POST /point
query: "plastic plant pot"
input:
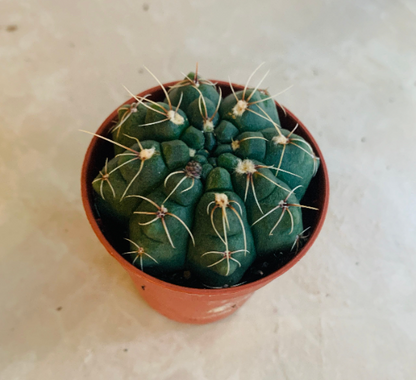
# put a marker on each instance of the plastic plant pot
(192, 305)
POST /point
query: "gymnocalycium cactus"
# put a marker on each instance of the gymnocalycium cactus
(204, 184)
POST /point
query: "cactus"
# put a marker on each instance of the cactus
(205, 184)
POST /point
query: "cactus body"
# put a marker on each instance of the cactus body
(207, 186)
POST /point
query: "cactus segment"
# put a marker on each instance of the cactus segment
(142, 170)
(222, 149)
(201, 159)
(206, 169)
(245, 115)
(175, 153)
(190, 89)
(219, 179)
(238, 106)
(224, 246)
(138, 253)
(250, 145)
(254, 181)
(169, 123)
(270, 106)
(275, 229)
(184, 186)
(130, 116)
(282, 219)
(293, 158)
(109, 186)
(194, 138)
(300, 239)
(104, 178)
(203, 152)
(226, 132)
(210, 141)
(162, 228)
(228, 161)
(123, 171)
(203, 114)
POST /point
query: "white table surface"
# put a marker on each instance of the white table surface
(345, 311)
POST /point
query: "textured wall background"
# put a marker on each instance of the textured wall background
(346, 311)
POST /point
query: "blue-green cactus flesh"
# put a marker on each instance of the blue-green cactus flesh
(204, 184)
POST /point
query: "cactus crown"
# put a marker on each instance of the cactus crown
(206, 184)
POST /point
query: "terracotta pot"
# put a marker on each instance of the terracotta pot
(191, 305)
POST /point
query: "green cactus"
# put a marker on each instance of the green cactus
(205, 184)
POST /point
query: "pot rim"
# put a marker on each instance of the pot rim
(86, 191)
